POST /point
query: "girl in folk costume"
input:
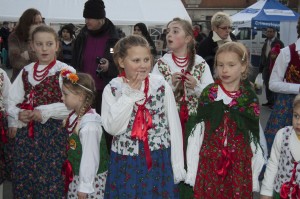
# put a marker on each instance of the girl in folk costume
(139, 110)
(85, 133)
(285, 81)
(187, 73)
(36, 112)
(282, 176)
(227, 132)
(4, 141)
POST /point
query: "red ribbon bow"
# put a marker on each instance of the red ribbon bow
(30, 124)
(290, 187)
(142, 123)
(67, 173)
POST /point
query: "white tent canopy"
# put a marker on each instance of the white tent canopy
(120, 12)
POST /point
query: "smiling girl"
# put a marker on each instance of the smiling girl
(139, 110)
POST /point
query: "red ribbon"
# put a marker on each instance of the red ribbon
(289, 187)
(67, 173)
(3, 136)
(30, 124)
(142, 123)
(226, 160)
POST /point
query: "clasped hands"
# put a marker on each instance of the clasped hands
(189, 80)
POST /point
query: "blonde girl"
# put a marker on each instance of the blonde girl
(139, 110)
(227, 132)
(86, 140)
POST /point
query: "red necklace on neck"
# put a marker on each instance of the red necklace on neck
(72, 126)
(39, 75)
(180, 61)
(232, 94)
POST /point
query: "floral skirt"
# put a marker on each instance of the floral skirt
(281, 116)
(99, 186)
(128, 176)
(37, 162)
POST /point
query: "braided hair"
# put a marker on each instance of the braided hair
(191, 52)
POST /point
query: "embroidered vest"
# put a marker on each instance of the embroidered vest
(46, 92)
(158, 135)
(286, 163)
(292, 74)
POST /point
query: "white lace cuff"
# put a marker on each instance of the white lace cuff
(179, 173)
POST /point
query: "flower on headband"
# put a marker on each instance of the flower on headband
(69, 75)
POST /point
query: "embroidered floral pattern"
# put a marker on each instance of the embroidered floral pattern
(196, 72)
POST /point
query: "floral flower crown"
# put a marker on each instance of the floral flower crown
(73, 78)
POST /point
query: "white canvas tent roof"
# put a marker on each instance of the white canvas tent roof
(121, 12)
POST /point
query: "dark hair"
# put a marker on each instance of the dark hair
(44, 28)
(25, 22)
(121, 47)
(191, 51)
(86, 81)
(69, 28)
(146, 34)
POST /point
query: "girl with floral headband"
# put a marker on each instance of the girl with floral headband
(36, 113)
(226, 132)
(139, 110)
(84, 171)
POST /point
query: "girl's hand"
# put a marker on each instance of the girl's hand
(190, 81)
(37, 116)
(25, 116)
(265, 197)
(81, 195)
(176, 77)
(136, 82)
(12, 131)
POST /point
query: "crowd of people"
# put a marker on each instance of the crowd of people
(94, 115)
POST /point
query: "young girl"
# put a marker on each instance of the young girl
(227, 132)
(4, 89)
(187, 73)
(282, 176)
(139, 110)
(36, 111)
(85, 132)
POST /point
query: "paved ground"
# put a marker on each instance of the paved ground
(265, 112)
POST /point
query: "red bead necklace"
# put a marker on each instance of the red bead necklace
(39, 75)
(180, 61)
(74, 123)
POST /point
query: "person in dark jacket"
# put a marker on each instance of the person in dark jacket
(220, 34)
(270, 42)
(93, 48)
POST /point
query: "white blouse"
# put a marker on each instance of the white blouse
(4, 90)
(267, 187)
(206, 77)
(277, 82)
(17, 95)
(195, 142)
(90, 132)
(117, 112)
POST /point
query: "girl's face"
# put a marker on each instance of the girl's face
(137, 63)
(72, 100)
(45, 46)
(65, 35)
(176, 37)
(229, 69)
(296, 119)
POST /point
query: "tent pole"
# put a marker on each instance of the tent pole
(251, 47)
